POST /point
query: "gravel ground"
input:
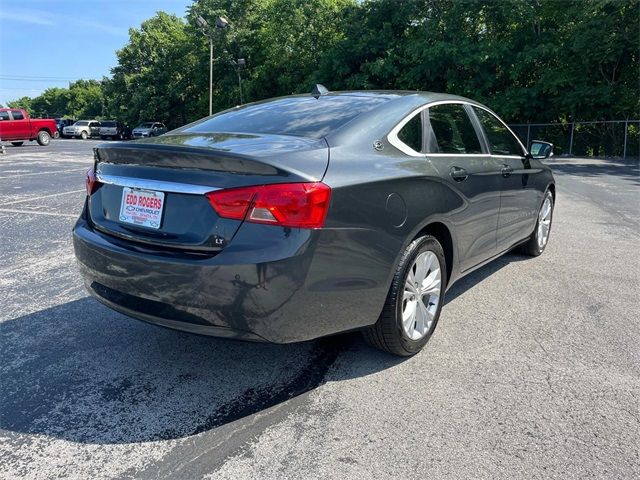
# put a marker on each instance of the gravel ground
(533, 372)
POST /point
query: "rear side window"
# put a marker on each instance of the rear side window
(301, 116)
(17, 115)
(4, 115)
(452, 130)
(501, 140)
(411, 133)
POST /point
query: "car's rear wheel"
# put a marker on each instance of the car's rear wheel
(17, 144)
(43, 138)
(414, 302)
(84, 135)
(540, 237)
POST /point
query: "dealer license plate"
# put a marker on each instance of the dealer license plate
(141, 207)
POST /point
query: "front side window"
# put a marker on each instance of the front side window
(411, 133)
(17, 115)
(452, 130)
(501, 140)
(4, 115)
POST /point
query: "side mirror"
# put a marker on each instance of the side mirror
(541, 150)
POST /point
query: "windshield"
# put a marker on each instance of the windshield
(82, 123)
(300, 116)
(145, 125)
(108, 124)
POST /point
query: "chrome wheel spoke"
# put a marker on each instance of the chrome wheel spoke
(420, 269)
(422, 318)
(431, 284)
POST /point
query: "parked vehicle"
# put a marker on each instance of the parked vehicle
(304, 216)
(16, 127)
(83, 129)
(113, 129)
(149, 129)
(62, 123)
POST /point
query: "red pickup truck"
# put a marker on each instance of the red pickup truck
(16, 127)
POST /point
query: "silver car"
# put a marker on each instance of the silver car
(149, 129)
(83, 129)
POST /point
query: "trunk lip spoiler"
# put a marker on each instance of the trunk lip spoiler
(157, 185)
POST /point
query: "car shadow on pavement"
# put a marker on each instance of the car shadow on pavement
(474, 278)
(83, 373)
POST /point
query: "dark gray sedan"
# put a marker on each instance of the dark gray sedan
(304, 216)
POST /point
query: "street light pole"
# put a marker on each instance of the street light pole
(210, 75)
(220, 23)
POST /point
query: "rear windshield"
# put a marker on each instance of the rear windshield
(82, 123)
(145, 125)
(300, 116)
(108, 124)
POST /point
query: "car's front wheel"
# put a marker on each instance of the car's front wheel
(413, 304)
(540, 237)
(43, 138)
(84, 135)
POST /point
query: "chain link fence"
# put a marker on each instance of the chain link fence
(614, 138)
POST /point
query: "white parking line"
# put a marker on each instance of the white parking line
(39, 197)
(52, 214)
(17, 175)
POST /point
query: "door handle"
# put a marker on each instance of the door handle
(458, 174)
(506, 170)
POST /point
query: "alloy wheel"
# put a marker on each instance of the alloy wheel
(421, 295)
(544, 222)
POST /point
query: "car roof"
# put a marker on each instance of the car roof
(395, 94)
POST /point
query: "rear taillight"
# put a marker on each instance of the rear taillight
(91, 183)
(302, 205)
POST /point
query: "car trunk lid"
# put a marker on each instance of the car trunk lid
(153, 191)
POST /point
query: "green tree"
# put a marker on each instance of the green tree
(154, 76)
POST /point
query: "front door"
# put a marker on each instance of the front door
(519, 200)
(20, 128)
(456, 150)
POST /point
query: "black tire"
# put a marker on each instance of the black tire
(17, 144)
(43, 138)
(84, 135)
(532, 247)
(387, 333)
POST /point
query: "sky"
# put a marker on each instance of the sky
(49, 43)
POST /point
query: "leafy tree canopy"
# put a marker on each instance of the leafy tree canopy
(530, 60)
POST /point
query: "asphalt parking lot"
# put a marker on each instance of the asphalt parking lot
(533, 372)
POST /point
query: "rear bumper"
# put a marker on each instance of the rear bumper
(298, 285)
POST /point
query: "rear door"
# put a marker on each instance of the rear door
(456, 149)
(520, 199)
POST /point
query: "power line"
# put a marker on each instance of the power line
(36, 77)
